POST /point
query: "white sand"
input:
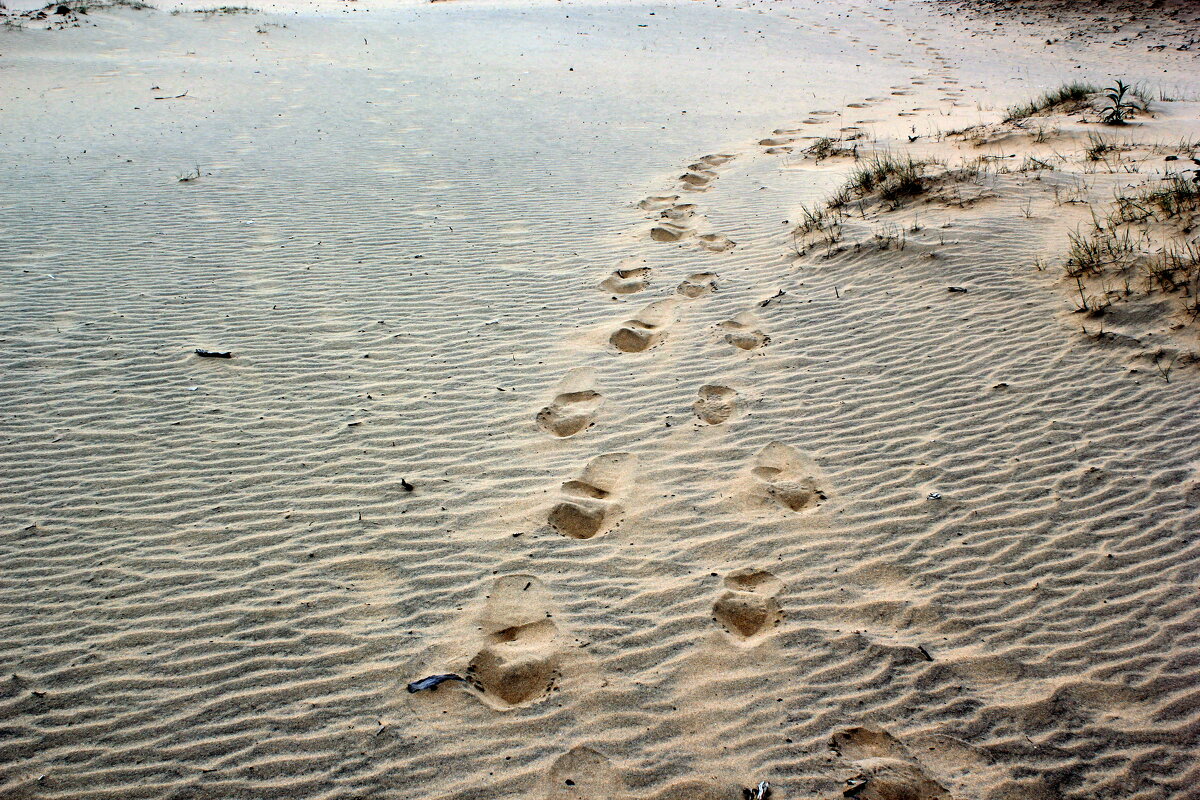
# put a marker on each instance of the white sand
(680, 538)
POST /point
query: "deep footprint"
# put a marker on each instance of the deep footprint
(627, 279)
(519, 662)
(717, 159)
(715, 403)
(669, 232)
(582, 773)
(698, 284)
(788, 479)
(696, 180)
(657, 202)
(742, 332)
(574, 407)
(716, 242)
(674, 223)
(747, 607)
(591, 504)
(646, 329)
(886, 769)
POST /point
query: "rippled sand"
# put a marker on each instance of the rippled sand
(534, 382)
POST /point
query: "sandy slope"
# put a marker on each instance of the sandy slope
(696, 502)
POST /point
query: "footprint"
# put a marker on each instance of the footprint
(519, 662)
(658, 202)
(673, 223)
(645, 330)
(857, 744)
(691, 789)
(582, 774)
(678, 212)
(717, 159)
(698, 285)
(590, 504)
(666, 231)
(748, 606)
(696, 180)
(789, 479)
(742, 333)
(574, 406)
(716, 242)
(886, 769)
(627, 280)
(715, 403)
(776, 142)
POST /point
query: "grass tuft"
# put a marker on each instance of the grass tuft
(1066, 98)
(892, 177)
(1092, 254)
(1177, 195)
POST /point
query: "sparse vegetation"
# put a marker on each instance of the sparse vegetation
(827, 147)
(1146, 240)
(65, 14)
(813, 218)
(889, 179)
(1098, 147)
(889, 237)
(1177, 197)
(1066, 98)
(892, 177)
(83, 7)
(1176, 269)
(822, 148)
(209, 12)
(1096, 252)
(1119, 108)
(1032, 164)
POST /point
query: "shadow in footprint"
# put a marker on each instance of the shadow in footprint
(658, 202)
(717, 159)
(519, 662)
(666, 231)
(696, 180)
(582, 774)
(673, 223)
(716, 242)
(678, 213)
(886, 769)
(715, 404)
(748, 608)
(645, 329)
(627, 279)
(789, 479)
(591, 503)
(743, 333)
(691, 789)
(574, 407)
(698, 284)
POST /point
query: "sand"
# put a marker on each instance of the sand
(539, 377)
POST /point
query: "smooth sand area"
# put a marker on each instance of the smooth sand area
(726, 393)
